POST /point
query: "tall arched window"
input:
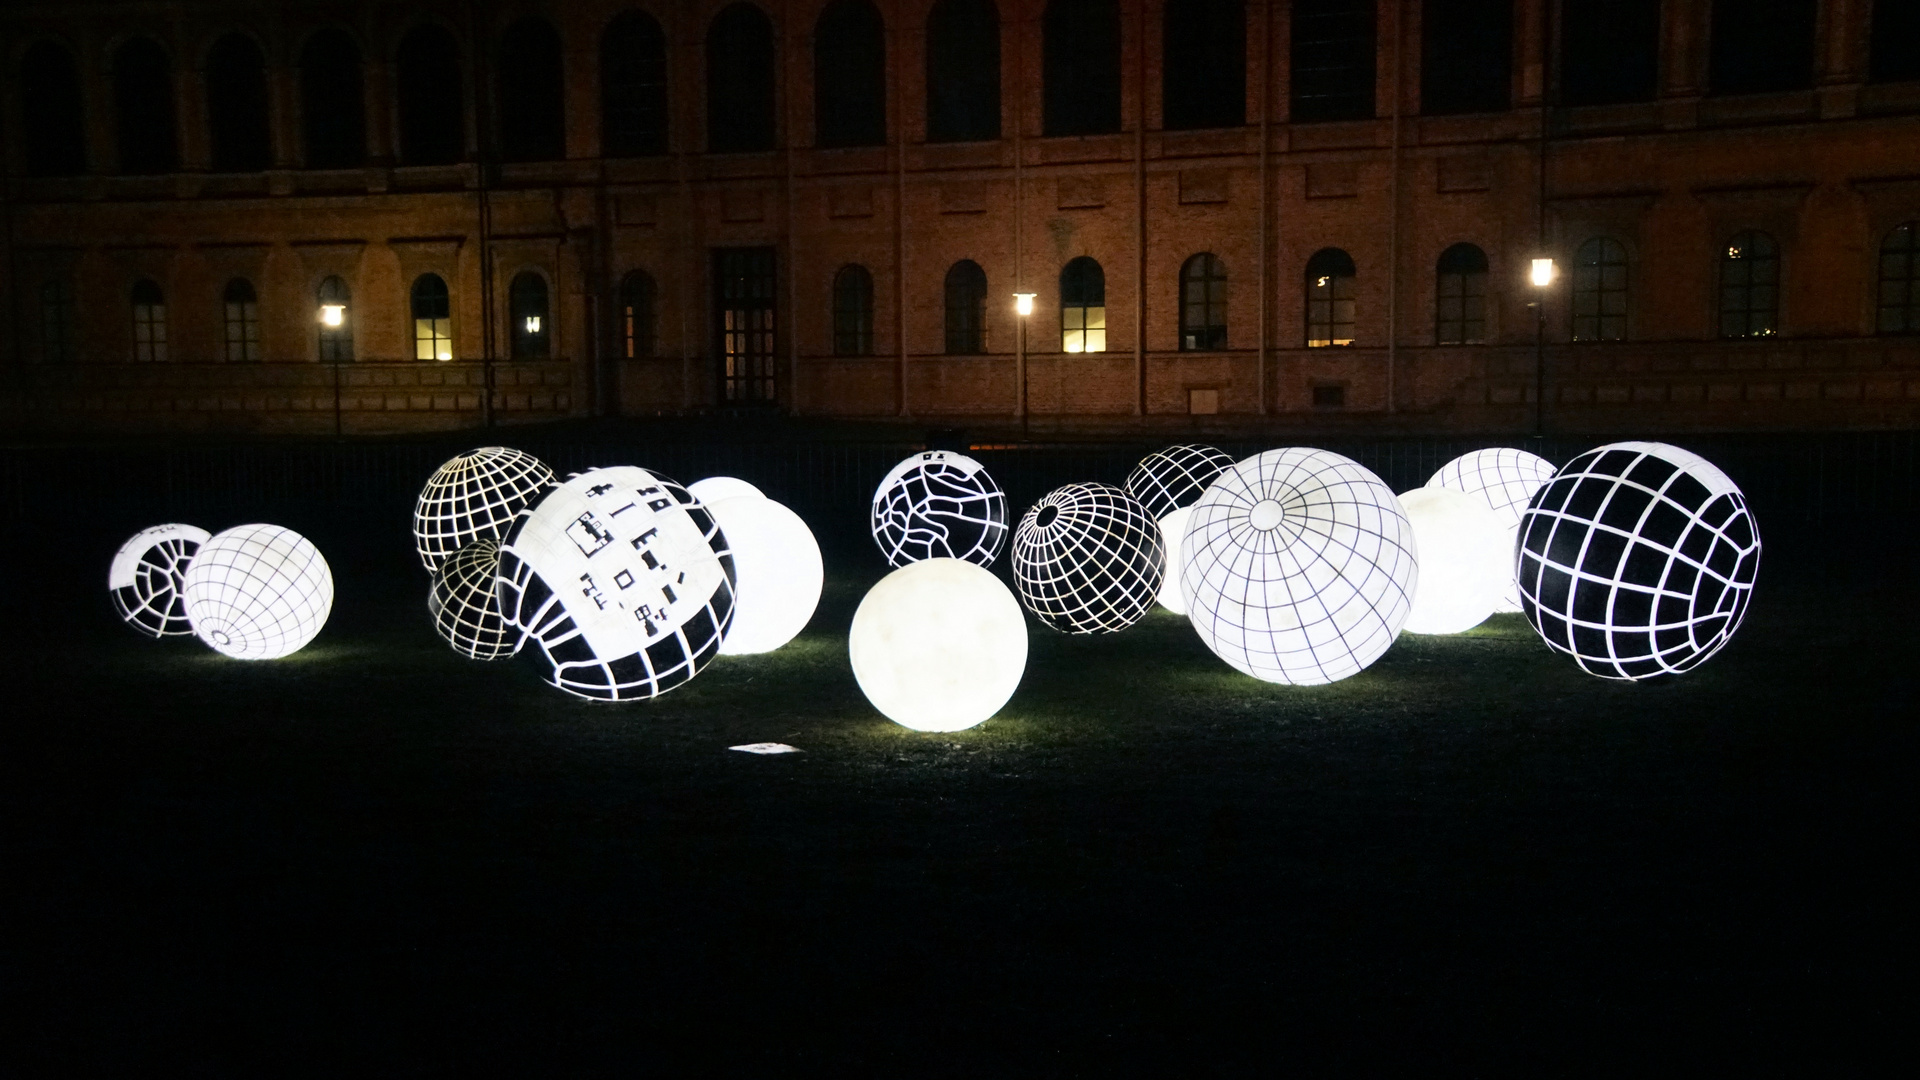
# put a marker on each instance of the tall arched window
(1080, 58)
(966, 304)
(237, 119)
(432, 318)
(1330, 298)
(740, 78)
(1609, 52)
(1466, 56)
(143, 108)
(52, 120)
(1900, 280)
(1083, 307)
(1203, 303)
(1203, 82)
(633, 87)
(1761, 46)
(149, 323)
(1600, 291)
(1749, 286)
(849, 75)
(637, 293)
(1896, 30)
(336, 320)
(527, 307)
(853, 311)
(533, 122)
(57, 344)
(333, 112)
(1333, 59)
(243, 321)
(963, 71)
(433, 120)
(1460, 296)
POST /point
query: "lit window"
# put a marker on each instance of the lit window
(527, 307)
(243, 322)
(1750, 287)
(1600, 291)
(1900, 280)
(1083, 307)
(149, 323)
(336, 329)
(432, 319)
(853, 312)
(1330, 298)
(1203, 303)
(1460, 296)
(636, 315)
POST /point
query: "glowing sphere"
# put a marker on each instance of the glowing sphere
(146, 576)
(939, 505)
(1167, 480)
(1465, 561)
(475, 496)
(778, 573)
(1638, 559)
(462, 603)
(1298, 567)
(1505, 479)
(1173, 531)
(1087, 559)
(257, 592)
(720, 488)
(938, 645)
(621, 579)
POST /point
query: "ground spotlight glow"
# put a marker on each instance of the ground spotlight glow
(938, 645)
(778, 573)
(1465, 561)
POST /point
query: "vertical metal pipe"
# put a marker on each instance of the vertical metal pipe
(1393, 207)
(1266, 185)
(1019, 214)
(1140, 215)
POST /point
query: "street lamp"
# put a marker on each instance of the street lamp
(1541, 276)
(333, 316)
(1023, 307)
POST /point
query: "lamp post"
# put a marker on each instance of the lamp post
(1022, 307)
(1542, 277)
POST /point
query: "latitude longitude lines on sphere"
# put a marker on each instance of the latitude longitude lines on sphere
(146, 578)
(1502, 476)
(1169, 479)
(475, 495)
(463, 607)
(258, 592)
(1638, 560)
(939, 504)
(1087, 559)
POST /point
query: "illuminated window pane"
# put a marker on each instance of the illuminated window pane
(432, 318)
(1749, 287)
(1331, 310)
(1083, 307)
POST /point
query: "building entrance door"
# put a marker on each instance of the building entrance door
(743, 305)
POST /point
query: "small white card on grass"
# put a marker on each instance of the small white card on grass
(767, 748)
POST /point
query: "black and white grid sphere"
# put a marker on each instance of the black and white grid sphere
(257, 592)
(463, 607)
(473, 496)
(1169, 479)
(1087, 559)
(1638, 559)
(939, 505)
(146, 577)
(621, 580)
(1298, 566)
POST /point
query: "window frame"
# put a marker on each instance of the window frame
(59, 334)
(148, 306)
(1600, 320)
(1909, 256)
(1209, 333)
(1083, 321)
(1457, 268)
(530, 296)
(334, 343)
(1740, 314)
(635, 307)
(240, 307)
(1331, 285)
(964, 295)
(438, 329)
(853, 311)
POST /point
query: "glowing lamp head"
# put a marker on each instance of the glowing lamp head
(1465, 558)
(779, 573)
(533, 324)
(1542, 273)
(938, 645)
(333, 315)
(1023, 303)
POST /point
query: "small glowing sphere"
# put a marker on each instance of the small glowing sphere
(1173, 530)
(1505, 479)
(1465, 563)
(1167, 480)
(778, 573)
(718, 488)
(475, 496)
(146, 576)
(939, 505)
(462, 604)
(258, 592)
(1087, 559)
(938, 645)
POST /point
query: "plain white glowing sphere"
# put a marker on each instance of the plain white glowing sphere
(1298, 567)
(462, 604)
(778, 573)
(1087, 559)
(939, 505)
(720, 488)
(258, 592)
(146, 576)
(475, 496)
(1173, 531)
(938, 645)
(1465, 566)
(1505, 479)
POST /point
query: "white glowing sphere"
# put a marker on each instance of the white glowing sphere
(146, 576)
(938, 645)
(716, 489)
(1505, 479)
(258, 592)
(1173, 529)
(1465, 563)
(778, 573)
(475, 497)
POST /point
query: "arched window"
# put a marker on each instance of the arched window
(1466, 56)
(243, 321)
(143, 108)
(533, 123)
(1460, 296)
(149, 323)
(432, 318)
(333, 112)
(1330, 302)
(1749, 286)
(1610, 51)
(1203, 304)
(1896, 31)
(1761, 46)
(1900, 280)
(849, 75)
(1080, 60)
(336, 321)
(1083, 307)
(637, 294)
(527, 307)
(1203, 82)
(963, 71)
(237, 105)
(57, 343)
(1333, 60)
(853, 311)
(1600, 291)
(433, 120)
(633, 87)
(740, 78)
(52, 119)
(966, 303)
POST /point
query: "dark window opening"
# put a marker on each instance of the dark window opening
(1460, 296)
(1332, 60)
(743, 304)
(849, 76)
(966, 303)
(52, 119)
(149, 323)
(740, 80)
(1203, 304)
(143, 108)
(1900, 280)
(1895, 50)
(237, 118)
(1761, 46)
(432, 310)
(1600, 291)
(532, 105)
(1331, 306)
(633, 87)
(963, 71)
(433, 125)
(532, 329)
(336, 321)
(853, 312)
(57, 344)
(242, 311)
(1204, 78)
(1080, 59)
(1749, 286)
(636, 309)
(1329, 397)
(1466, 56)
(1083, 307)
(333, 107)
(1610, 51)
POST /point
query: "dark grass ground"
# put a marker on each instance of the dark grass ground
(376, 858)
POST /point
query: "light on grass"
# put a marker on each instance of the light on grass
(778, 573)
(1465, 561)
(938, 645)
(146, 577)
(715, 488)
(258, 592)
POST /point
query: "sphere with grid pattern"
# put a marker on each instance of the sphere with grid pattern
(1505, 479)
(146, 577)
(938, 645)
(778, 573)
(1638, 560)
(716, 489)
(1465, 561)
(1167, 480)
(1298, 566)
(621, 580)
(939, 505)
(1087, 559)
(1173, 532)
(473, 496)
(462, 604)
(257, 592)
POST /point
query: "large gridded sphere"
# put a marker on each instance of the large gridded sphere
(475, 496)
(1167, 480)
(1298, 567)
(939, 505)
(1087, 559)
(1173, 533)
(717, 489)
(778, 573)
(463, 607)
(623, 581)
(1638, 559)
(1466, 560)
(1505, 479)
(258, 592)
(938, 645)
(146, 577)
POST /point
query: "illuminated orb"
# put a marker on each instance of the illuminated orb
(623, 581)
(939, 505)
(1638, 559)
(1298, 566)
(1087, 559)
(462, 603)
(778, 573)
(938, 645)
(1465, 561)
(1170, 479)
(146, 575)
(475, 496)
(719, 488)
(1173, 531)
(1505, 479)
(257, 592)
